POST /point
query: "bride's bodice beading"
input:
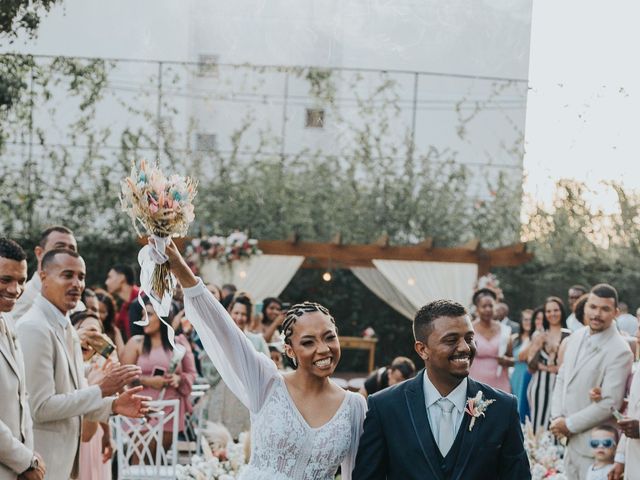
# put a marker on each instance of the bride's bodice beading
(283, 445)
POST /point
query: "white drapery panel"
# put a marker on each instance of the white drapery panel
(423, 282)
(384, 289)
(261, 276)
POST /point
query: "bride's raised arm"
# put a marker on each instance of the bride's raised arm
(247, 373)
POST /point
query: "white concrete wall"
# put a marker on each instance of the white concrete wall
(472, 37)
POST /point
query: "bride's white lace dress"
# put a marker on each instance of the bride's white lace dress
(283, 445)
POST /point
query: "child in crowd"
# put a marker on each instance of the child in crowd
(604, 439)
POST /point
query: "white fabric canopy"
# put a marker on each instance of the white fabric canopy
(384, 289)
(423, 282)
(261, 276)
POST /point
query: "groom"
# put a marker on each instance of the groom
(419, 429)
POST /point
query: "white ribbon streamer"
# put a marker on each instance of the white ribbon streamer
(149, 256)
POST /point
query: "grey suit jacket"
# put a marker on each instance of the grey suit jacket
(58, 392)
(607, 366)
(16, 428)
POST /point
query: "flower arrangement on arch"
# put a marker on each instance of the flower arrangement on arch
(225, 250)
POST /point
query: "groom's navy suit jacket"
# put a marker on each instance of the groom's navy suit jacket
(397, 443)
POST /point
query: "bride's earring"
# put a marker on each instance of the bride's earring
(294, 361)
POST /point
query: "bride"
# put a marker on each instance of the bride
(303, 425)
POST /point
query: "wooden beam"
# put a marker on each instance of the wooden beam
(427, 243)
(293, 238)
(318, 255)
(473, 245)
(382, 241)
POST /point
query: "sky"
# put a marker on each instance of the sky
(583, 106)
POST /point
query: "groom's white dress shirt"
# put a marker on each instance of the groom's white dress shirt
(458, 396)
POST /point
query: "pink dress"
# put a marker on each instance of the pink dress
(91, 466)
(160, 358)
(485, 366)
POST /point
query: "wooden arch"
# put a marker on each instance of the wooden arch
(334, 255)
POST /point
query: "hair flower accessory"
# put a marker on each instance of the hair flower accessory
(476, 407)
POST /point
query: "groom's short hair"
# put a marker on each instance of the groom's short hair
(423, 321)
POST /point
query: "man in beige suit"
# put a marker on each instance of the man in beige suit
(58, 392)
(51, 238)
(596, 356)
(628, 452)
(17, 457)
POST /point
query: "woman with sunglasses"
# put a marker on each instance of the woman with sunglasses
(304, 426)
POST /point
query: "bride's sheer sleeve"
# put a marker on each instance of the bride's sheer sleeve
(247, 373)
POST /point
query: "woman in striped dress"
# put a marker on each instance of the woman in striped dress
(543, 361)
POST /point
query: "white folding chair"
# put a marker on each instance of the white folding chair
(136, 439)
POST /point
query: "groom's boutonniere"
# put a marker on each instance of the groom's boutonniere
(476, 407)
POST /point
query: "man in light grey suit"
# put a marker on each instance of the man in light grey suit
(51, 238)
(58, 392)
(17, 457)
(596, 356)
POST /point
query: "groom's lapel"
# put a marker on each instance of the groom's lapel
(418, 411)
(469, 438)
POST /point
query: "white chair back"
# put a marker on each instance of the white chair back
(141, 454)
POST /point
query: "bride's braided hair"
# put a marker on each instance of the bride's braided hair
(297, 311)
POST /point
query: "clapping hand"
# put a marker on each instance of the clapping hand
(117, 377)
(97, 373)
(131, 405)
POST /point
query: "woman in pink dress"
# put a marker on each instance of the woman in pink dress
(95, 448)
(493, 344)
(152, 353)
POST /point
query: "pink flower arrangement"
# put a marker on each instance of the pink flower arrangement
(162, 206)
(225, 250)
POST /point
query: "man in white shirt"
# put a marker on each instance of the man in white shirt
(575, 292)
(51, 238)
(59, 395)
(18, 459)
(596, 356)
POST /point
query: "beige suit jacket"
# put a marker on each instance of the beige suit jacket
(16, 428)
(630, 447)
(606, 365)
(24, 303)
(58, 392)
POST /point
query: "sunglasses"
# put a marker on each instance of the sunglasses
(605, 443)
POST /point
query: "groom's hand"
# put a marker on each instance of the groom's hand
(559, 428)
